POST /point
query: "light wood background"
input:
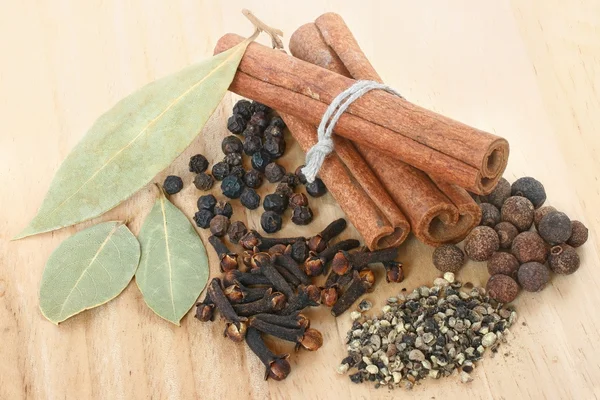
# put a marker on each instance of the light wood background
(526, 70)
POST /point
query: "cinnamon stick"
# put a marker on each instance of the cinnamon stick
(444, 148)
(357, 191)
(438, 213)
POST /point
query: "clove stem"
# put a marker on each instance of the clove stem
(319, 242)
(216, 294)
(360, 284)
(287, 262)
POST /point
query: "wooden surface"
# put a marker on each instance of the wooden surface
(526, 70)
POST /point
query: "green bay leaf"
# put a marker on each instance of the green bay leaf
(88, 269)
(132, 142)
(173, 267)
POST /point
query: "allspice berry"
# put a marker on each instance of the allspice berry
(530, 188)
(502, 288)
(579, 234)
(563, 259)
(490, 215)
(518, 211)
(448, 258)
(541, 213)
(481, 243)
(533, 276)
(506, 233)
(529, 246)
(503, 263)
(499, 195)
(555, 228)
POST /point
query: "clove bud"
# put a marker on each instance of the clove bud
(295, 320)
(299, 251)
(277, 366)
(235, 333)
(254, 239)
(343, 262)
(228, 260)
(393, 271)
(361, 282)
(248, 279)
(205, 311)
(310, 339)
(315, 264)
(238, 293)
(269, 303)
(329, 295)
(263, 261)
(287, 262)
(222, 304)
(318, 243)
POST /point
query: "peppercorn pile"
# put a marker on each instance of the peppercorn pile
(432, 332)
(518, 256)
(278, 280)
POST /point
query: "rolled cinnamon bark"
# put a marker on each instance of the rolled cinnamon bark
(438, 213)
(357, 191)
(444, 148)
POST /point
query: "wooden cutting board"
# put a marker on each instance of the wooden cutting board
(526, 70)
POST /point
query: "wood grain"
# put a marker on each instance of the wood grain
(525, 70)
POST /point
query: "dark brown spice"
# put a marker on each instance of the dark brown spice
(481, 243)
(292, 266)
(264, 262)
(254, 239)
(490, 215)
(302, 215)
(219, 225)
(277, 249)
(533, 276)
(502, 263)
(329, 295)
(448, 258)
(227, 259)
(234, 276)
(506, 234)
(316, 188)
(253, 179)
(360, 284)
(284, 189)
(222, 304)
(518, 211)
(531, 189)
(298, 200)
(299, 251)
(274, 172)
(343, 262)
(270, 221)
(236, 231)
(239, 294)
(579, 234)
(204, 182)
(555, 228)
(205, 309)
(502, 288)
(236, 333)
(393, 271)
(541, 213)
(563, 259)
(529, 246)
(271, 302)
(223, 208)
(500, 193)
(295, 320)
(198, 164)
(318, 243)
(316, 263)
(277, 366)
(231, 144)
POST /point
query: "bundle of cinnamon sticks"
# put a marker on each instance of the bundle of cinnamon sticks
(396, 167)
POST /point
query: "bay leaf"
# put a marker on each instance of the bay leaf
(132, 142)
(173, 267)
(88, 269)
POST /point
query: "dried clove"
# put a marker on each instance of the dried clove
(361, 282)
(227, 260)
(318, 243)
(329, 295)
(254, 239)
(270, 302)
(295, 320)
(263, 261)
(287, 275)
(287, 262)
(343, 262)
(245, 278)
(299, 251)
(277, 249)
(235, 333)
(227, 311)
(277, 366)
(393, 271)
(205, 311)
(315, 264)
(300, 301)
(238, 293)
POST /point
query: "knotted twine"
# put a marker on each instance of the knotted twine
(324, 146)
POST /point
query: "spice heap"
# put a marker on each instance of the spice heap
(517, 256)
(432, 332)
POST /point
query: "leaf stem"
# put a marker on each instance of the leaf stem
(260, 26)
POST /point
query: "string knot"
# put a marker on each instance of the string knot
(324, 146)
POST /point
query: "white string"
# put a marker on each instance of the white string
(316, 154)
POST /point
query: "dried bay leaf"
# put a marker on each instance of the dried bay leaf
(88, 269)
(132, 142)
(173, 267)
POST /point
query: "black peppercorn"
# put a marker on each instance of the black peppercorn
(275, 146)
(270, 221)
(235, 231)
(203, 218)
(238, 171)
(204, 181)
(223, 208)
(274, 172)
(302, 215)
(250, 199)
(291, 179)
(206, 202)
(219, 225)
(231, 144)
(273, 131)
(530, 188)
(317, 188)
(298, 200)
(260, 160)
(173, 184)
(198, 164)
(284, 189)
(236, 124)
(220, 170)
(232, 187)
(300, 175)
(233, 159)
(252, 130)
(259, 118)
(252, 144)
(278, 122)
(275, 202)
(243, 108)
(253, 179)
(555, 228)
(256, 106)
